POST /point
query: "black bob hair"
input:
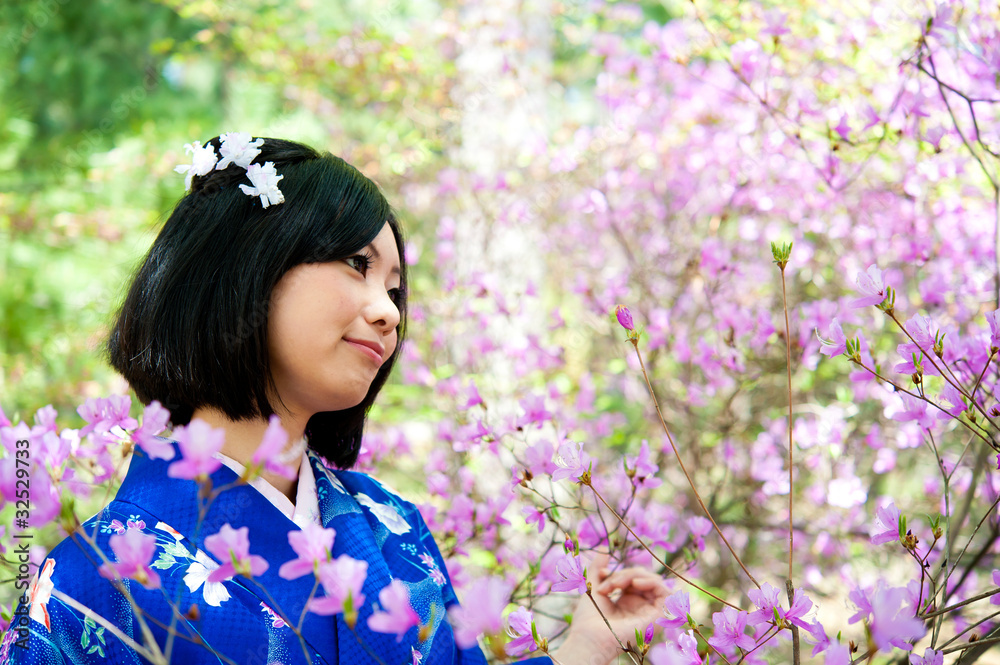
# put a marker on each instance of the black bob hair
(192, 331)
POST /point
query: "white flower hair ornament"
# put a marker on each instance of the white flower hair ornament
(265, 184)
(203, 159)
(240, 149)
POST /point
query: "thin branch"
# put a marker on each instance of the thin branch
(653, 554)
(687, 475)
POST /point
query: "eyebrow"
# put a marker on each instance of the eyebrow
(395, 269)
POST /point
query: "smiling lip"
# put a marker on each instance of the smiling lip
(373, 350)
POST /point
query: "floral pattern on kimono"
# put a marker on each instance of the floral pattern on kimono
(246, 621)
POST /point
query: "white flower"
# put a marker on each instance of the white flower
(265, 184)
(163, 526)
(39, 594)
(203, 159)
(197, 574)
(238, 148)
(387, 515)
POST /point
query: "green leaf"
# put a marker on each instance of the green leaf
(164, 561)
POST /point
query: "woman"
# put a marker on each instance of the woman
(276, 292)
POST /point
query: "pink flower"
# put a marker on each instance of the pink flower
(268, 453)
(104, 413)
(472, 397)
(699, 527)
(533, 515)
(682, 652)
(45, 420)
(914, 409)
(951, 395)
(676, 609)
(838, 341)
(313, 544)
(232, 547)
(485, 615)
(767, 599)
(801, 604)
(729, 627)
(570, 461)
(774, 23)
(519, 627)
(624, 317)
(645, 468)
(995, 598)
(893, 623)
(133, 551)
(871, 284)
(572, 575)
(817, 635)
(838, 654)
(154, 421)
(342, 580)
(861, 597)
(930, 657)
(396, 616)
(886, 527)
(991, 318)
(198, 443)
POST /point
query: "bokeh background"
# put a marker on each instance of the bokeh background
(550, 160)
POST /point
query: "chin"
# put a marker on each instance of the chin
(343, 402)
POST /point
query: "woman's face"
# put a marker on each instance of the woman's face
(331, 326)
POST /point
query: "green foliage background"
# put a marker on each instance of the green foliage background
(100, 96)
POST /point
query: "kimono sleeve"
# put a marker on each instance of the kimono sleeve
(451, 599)
(47, 631)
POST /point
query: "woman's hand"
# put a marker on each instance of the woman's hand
(641, 601)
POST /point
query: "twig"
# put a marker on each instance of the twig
(607, 623)
(788, 364)
(653, 554)
(687, 475)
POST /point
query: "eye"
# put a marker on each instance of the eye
(397, 296)
(360, 262)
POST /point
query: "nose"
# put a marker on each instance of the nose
(382, 311)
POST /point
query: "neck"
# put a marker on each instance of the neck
(244, 436)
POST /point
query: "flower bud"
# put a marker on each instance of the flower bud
(624, 317)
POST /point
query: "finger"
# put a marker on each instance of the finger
(597, 571)
(638, 578)
(622, 578)
(649, 590)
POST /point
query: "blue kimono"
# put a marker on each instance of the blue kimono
(237, 618)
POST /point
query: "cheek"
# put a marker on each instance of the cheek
(391, 341)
